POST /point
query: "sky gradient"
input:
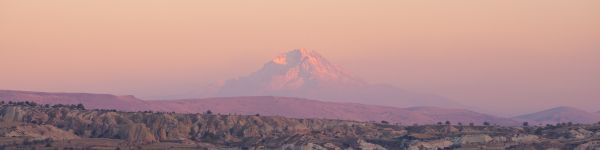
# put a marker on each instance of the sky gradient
(504, 56)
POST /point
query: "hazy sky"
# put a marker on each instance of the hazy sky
(500, 55)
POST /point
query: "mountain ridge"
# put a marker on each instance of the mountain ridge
(560, 114)
(264, 105)
(297, 107)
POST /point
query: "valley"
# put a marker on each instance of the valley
(28, 125)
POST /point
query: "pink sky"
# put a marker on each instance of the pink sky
(503, 55)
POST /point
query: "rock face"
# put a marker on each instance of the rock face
(431, 145)
(305, 73)
(40, 132)
(525, 138)
(369, 146)
(580, 133)
(475, 139)
(593, 145)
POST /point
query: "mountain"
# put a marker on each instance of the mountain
(560, 115)
(305, 73)
(93, 101)
(263, 105)
(460, 115)
(305, 108)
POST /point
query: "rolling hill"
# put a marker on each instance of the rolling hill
(263, 105)
(560, 115)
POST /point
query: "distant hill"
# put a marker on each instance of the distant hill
(94, 101)
(561, 114)
(305, 108)
(263, 105)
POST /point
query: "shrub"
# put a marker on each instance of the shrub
(80, 106)
(485, 123)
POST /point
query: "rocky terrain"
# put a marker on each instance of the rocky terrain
(27, 125)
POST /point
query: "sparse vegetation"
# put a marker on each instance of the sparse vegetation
(80, 106)
(486, 123)
(384, 122)
(169, 130)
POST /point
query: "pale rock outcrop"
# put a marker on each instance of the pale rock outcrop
(12, 114)
(525, 138)
(364, 145)
(331, 146)
(40, 132)
(431, 145)
(307, 146)
(148, 127)
(592, 145)
(499, 139)
(580, 133)
(475, 139)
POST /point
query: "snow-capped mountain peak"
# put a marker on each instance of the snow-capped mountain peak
(301, 67)
(297, 56)
(305, 73)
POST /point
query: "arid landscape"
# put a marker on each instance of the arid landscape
(300, 74)
(28, 125)
(344, 113)
(264, 111)
(303, 84)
